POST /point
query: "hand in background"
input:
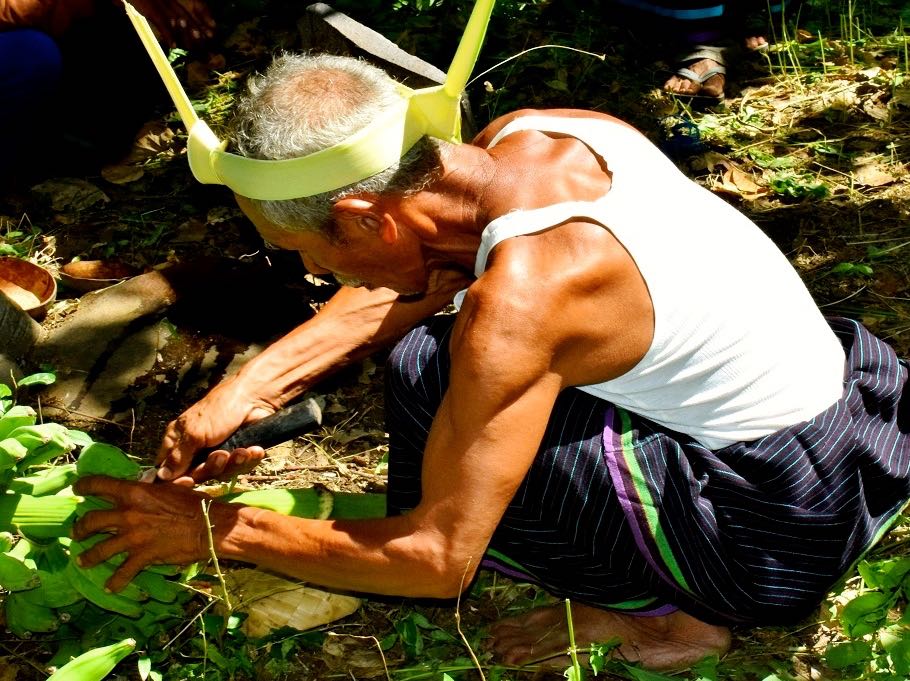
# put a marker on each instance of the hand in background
(183, 23)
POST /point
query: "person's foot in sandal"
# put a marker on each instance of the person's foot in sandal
(755, 43)
(701, 74)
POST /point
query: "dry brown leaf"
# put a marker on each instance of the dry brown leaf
(190, 231)
(357, 657)
(901, 95)
(70, 193)
(713, 160)
(876, 108)
(272, 602)
(734, 180)
(122, 174)
(9, 671)
(872, 175)
(154, 138)
(221, 214)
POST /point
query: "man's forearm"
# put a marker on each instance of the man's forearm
(352, 325)
(388, 556)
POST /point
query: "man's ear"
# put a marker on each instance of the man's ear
(366, 213)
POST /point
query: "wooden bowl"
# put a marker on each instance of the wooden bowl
(91, 275)
(29, 286)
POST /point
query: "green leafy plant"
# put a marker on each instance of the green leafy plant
(878, 635)
(798, 186)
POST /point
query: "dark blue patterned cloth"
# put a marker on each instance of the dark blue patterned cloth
(618, 512)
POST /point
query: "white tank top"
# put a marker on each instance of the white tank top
(740, 349)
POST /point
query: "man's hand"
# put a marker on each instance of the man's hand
(207, 424)
(161, 524)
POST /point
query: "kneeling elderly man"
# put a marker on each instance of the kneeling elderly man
(637, 404)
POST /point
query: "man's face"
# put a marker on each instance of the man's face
(359, 258)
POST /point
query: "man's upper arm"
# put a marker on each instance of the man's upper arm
(488, 428)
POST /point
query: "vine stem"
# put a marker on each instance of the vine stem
(218, 573)
(596, 55)
(573, 649)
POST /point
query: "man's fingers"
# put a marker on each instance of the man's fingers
(212, 467)
(176, 452)
(102, 486)
(223, 465)
(94, 522)
(243, 460)
(131, 567)
(102, 551)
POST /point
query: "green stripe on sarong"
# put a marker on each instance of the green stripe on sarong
(624, 605)
(502, 558)
(647, 501)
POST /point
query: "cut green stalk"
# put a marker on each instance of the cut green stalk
(39, 517)
(573, 650)
(314, 503)
(48, 481)
(351, 506)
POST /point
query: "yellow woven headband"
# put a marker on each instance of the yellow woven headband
(434, 111)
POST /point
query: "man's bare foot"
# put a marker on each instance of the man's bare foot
(664, 642)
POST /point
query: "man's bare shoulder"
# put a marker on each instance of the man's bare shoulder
(570, 296)
(485, 136)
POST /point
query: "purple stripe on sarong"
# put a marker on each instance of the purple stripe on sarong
(656, 612)
(612, 444)
(507, 570)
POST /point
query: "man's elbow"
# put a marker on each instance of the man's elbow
(450, 574)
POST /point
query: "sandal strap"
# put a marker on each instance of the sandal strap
(689, 74)
(705, 52)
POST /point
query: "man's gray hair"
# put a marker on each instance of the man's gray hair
(305, 103)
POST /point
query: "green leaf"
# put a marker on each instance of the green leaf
(900, 657)
(219, 660)
(842, 655)
(144, 664)
(574, 673)
(387, 641)
(411, 638)
(43, 378)
(865, 613)
(80, 438)
(421, 621)
(886, 575)
(843, 268)
(706, 669)
(644, 675)
(288, 646)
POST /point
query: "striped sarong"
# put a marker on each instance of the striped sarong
(620, 513)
